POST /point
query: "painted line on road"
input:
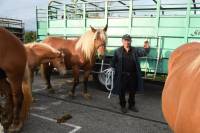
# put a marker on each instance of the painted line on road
(36, 90)
(76, 128)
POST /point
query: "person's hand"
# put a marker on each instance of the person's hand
(146, 44)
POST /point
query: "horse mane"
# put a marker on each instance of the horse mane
(43, 45)
(86, 43)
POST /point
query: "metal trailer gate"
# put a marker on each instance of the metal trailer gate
(165, 25)
(13, 25)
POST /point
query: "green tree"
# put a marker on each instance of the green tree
(30, 36)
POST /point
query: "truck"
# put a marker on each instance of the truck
(165, 25)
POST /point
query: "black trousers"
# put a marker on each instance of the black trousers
(129, 83)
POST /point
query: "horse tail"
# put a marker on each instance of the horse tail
(27, 93)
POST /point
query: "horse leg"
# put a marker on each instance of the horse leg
(17, 97)
(7, 110)
(76, 80)
(46, 74)
(86, 95)
(31, 76)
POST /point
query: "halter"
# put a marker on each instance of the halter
(102, 45)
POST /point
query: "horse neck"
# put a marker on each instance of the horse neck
(49, 55)
(31, 58)
(36, 57)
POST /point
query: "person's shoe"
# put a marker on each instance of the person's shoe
(124, 110)
(133, 108)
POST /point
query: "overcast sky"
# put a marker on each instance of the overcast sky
(25, 9)
(21, 9)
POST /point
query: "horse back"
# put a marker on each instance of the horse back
(181, 94)
(60, 43)
(72, 56)
(12, 52)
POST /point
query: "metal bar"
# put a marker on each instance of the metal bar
(106, 11)
(54, 7)
(52, 1)
(187, 20)
(156, 34)
(130, 15)
(142, 9)
(74, 7)
(160, 6)
(122, 3)
(194, 6)
(93, 5)
(84, 16)
(36, 22)
(7, 19)
(47, 21)
(65, 20)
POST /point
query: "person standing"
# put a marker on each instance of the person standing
(127, 71)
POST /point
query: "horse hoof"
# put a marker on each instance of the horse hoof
(87, 96)
(71, 94)
(15, 128)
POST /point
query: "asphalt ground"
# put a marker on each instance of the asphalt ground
(98, 115)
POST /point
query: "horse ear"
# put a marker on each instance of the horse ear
(105, 28)
(93, 29)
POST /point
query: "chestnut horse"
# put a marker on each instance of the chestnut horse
(13, 78)
(181, 94)
(80, 53)
(38, 53)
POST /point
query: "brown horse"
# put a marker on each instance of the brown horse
(38, 53)
(80, 53)
(14, 79)
(181, 94)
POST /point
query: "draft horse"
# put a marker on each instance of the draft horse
(38, 53)
(181, 93)
(80, 53)
(14, 81)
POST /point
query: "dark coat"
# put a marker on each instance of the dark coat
(117, 65)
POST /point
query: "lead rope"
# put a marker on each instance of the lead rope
(109, 73)
(1, 129)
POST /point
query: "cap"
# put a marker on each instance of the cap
(126, 37)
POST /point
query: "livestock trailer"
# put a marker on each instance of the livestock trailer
(13, 25)
(166, 24)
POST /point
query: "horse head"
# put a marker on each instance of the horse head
(59, 62)
(100, 39)
(43, 53)
(91, 42)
